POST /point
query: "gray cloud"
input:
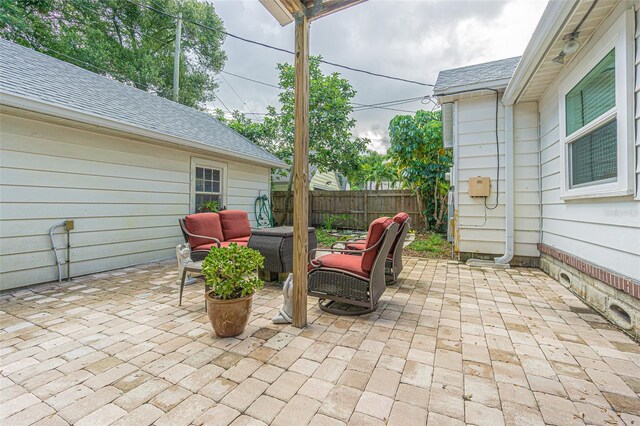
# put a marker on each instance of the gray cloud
(408, 39)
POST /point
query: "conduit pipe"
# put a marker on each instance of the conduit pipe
(55, 249)
(509, 193)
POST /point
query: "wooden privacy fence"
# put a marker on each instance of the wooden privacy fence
(352, 209)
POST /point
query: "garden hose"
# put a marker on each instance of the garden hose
(262, 210)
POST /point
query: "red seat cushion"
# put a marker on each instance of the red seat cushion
(376, 229)
(343, 262)
(235, 224)
(223, 244)
(205, 224)
(240, 240)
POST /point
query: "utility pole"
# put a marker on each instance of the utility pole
(176, 59)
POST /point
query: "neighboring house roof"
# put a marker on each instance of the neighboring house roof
(474, 77)
(34, 81)
(282, 176)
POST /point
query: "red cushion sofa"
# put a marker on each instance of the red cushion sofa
(205, 230)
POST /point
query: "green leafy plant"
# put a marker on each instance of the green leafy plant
(417, 153)
(231, 271)
(324, 238)
(210, 206)
(129, 43)
(331, 220)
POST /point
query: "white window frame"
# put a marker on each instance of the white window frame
(619, 37)
(201, 162)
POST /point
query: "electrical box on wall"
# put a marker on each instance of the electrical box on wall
(479, 186)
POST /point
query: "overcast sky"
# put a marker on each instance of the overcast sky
(412, 39)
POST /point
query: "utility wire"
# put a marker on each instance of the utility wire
(279, 49)
(357, 105)
(234, 90)
(250, 79)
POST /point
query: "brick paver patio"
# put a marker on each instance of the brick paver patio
(447, 345)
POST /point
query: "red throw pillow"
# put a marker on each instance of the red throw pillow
(376, 229)
(205, 224)
(235, 224)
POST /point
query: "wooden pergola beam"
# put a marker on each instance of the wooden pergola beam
(303, 11)
(301, 172)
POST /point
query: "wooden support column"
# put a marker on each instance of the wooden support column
(300, 173)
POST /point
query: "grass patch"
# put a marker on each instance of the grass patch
(429, 245)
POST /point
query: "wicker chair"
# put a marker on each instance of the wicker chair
(393, 265)
(353, 285)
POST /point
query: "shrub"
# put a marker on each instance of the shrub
(231, 271)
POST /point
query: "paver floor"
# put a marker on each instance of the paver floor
(447, 345)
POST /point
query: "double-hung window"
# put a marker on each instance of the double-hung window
(596, 129)
(208, 179)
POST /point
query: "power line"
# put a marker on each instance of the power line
(279, 49)
(358, 106)
(250, 79)
(234, 91)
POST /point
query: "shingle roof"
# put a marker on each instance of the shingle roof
(26, 73)
(475, 74)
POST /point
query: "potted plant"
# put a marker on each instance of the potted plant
(209, 207)
(231, 275)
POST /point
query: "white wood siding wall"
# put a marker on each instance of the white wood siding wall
(125, 197)
(476, 156)
(605, 232)
(637, 98)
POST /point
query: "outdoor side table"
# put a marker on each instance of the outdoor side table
(189, 267)
(276, 245)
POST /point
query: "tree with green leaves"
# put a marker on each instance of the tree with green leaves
(417, 151)
(374, 169)
(332, 146)
(128, 42)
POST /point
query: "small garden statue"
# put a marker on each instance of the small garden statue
(286, 311)
(183, 254)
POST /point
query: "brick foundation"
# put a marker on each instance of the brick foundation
(620, 282)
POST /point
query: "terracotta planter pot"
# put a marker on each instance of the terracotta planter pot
(228, 317)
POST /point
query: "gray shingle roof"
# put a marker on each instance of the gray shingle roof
(475, 74)
(28, 74)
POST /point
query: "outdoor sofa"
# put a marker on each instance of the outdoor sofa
(205, 230)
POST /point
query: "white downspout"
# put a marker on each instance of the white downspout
(509, 203)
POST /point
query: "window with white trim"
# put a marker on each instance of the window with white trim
(595, 105)
(208, 184)
(208, 187)
(591, 105)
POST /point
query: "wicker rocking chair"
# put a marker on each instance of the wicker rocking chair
(353, 285)
(393, 265)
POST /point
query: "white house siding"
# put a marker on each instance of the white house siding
(476, 156)
(327, 181)
(604, 232)
(125, 197)
(637, 105)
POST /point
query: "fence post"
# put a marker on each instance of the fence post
(366, 209)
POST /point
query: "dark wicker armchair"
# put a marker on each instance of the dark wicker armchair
(353, 285)
(393, 265)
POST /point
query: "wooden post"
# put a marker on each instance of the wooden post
(301, 171)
